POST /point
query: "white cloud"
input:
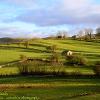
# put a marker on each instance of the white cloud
(58, 12)
(80, 8)
(64, 12)
(74, 4)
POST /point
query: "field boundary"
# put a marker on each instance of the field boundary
(11, 63)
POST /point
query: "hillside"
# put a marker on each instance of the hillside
(37, 48)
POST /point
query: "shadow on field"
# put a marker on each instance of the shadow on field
(93, 56)
(90, 44)
(10, 47)
(23, 49)
(33, 50)
(38, 45)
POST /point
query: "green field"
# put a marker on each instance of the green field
(37, 48)
(52, 88)
(49, 88)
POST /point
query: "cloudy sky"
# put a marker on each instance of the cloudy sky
(31, 18)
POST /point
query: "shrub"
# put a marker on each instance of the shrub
(75, 73)
(23, 57)
(97, 68)
(54, 58)
(23, 68)
(76, 60)
(52, 48)
(31, 68)
(64, 53)
(26, 44)
(35, 68)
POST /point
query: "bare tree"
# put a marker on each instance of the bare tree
(88, 33)
(80, 34)
(26, 44)
(52, 48)
(62, 34)
(98, 32)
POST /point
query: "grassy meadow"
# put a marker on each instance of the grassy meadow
(37, 48)
(52, 88)
(49, 88)
(11, 53)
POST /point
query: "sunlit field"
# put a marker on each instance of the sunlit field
(13, 85)
(52, 88)
(37, 48)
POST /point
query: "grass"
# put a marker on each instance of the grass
(59, 93)
(13, 54)
(89, 97)
(49, 88)
(9, 71)
(54, 88)
(33, 79)
(37, 48)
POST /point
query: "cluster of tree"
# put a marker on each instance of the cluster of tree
(62, 35)
(87, 34)
(58, 35)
